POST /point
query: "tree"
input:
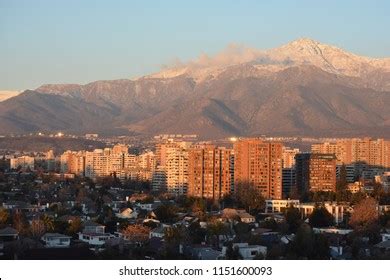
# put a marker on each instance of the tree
(365, 214)
(176, 235)
(293, 218)
(215, 228)
(249, 196)
(232, 253)
(4, 215)
(199, 207)
(307, 245)
(136, 233)
(358, 197)
(275, 252)
(37, 228)
(321, 248)
(48, 222)
(74, 227)
(321, 218)
(174, 238)
(166, 212)
(342, 183)
(198, 233)
(19, 223)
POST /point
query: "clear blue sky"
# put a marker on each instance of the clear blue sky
(68, 41)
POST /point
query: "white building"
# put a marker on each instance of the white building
(248, 252)
(56, 240)
(94, 234)
(306, 209)
(279, 205)
(177, 170)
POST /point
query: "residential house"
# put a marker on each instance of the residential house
(94, 234)
(248, 252)
(8, 234)
(56, 240)
(127, 213)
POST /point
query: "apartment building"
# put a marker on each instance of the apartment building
(24, 162)
(259, 163)
(315, 172)
(374, 152)
(210, 171)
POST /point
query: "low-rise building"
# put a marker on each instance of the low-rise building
(279, 205)
(94, 234)
(56, 240)
(306, 209)
(245, 217)
(8, 234)
(248, 252)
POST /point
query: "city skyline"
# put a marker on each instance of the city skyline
(194, 130)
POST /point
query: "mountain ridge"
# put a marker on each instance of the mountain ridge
(302, 88)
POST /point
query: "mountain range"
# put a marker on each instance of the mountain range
(304, 88)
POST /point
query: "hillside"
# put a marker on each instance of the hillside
(302, 88)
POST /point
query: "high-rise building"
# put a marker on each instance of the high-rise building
(73, 162)
(210, 171)
(97, 163)
(177, 170)
(289, 157)
(374, 152)
(315, 172)
(288, 181)
(288, 171)
(23, 162)
(171, 166)
(109, 162)
(259, 163)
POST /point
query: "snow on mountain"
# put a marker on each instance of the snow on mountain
(299, 52)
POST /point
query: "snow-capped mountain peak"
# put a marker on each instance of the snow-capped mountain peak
(303, 51)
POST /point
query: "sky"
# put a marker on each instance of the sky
(58, 41)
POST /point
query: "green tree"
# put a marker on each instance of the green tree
(321, 248)
(293, 218)
(307, 245)
(342, 183)
(232, 253)
(198, 233)
(174, 238)
(215, 229)
(321, 218)
(166, 212)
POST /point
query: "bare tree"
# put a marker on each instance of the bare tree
(364, 215)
